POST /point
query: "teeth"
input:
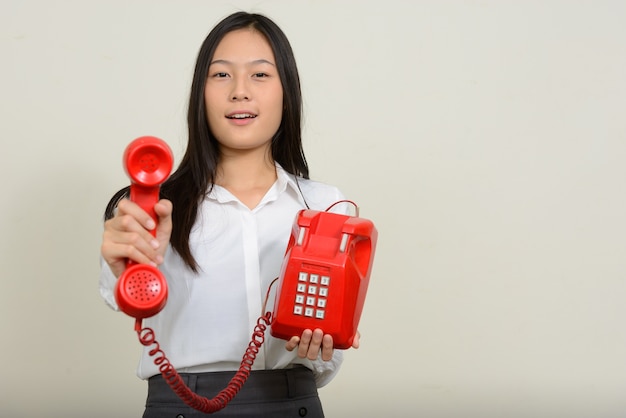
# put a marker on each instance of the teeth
(241, 116)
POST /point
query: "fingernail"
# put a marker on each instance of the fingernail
(150, 224)
(159, 259)
(155, 244)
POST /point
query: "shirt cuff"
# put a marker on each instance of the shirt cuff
(324, 371)
(107, 285)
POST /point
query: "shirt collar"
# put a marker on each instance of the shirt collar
(284, 181)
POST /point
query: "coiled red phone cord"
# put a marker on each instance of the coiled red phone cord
(173, 379)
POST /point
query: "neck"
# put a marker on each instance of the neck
(247, 176)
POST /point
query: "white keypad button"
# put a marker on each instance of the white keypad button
(311, 300)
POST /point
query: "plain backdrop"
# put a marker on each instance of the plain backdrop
(486, 139)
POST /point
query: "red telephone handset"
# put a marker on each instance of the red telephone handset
(324, 276)
(141, 290)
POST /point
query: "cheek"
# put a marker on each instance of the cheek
(278, 110)
(210, 108)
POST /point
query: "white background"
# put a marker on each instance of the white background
(486, 139)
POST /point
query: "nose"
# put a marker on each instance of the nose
(240, 90)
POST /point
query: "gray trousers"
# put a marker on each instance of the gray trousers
(266, 393)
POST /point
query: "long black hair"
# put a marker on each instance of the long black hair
(195, 175)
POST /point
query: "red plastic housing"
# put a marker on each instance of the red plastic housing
(324, 276)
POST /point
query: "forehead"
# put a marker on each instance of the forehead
(244, 45)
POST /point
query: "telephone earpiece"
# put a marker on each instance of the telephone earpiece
(141, 290)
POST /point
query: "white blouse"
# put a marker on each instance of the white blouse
(209, 317)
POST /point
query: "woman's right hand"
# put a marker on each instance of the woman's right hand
(127, 235)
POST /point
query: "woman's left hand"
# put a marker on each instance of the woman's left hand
(312, 342)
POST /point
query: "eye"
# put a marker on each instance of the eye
(217, 74)
(260, 75)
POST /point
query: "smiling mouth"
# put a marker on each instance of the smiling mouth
(241, 116)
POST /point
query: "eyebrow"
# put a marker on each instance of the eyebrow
(254, 62)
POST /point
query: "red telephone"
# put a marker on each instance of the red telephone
(324, 276)
(141, 291)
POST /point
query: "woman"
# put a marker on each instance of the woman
(224, 222)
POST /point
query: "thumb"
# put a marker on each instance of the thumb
(292, 343)
(163, 209)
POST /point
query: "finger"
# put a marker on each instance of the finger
(357, 340)
(305, 340)
(127, 207)
(116, 263)
(292, 343)
(125, 229)
(117, 256)
(163, 209)
(315, 344)
(118, 246)
(126, 237)
(327, 347)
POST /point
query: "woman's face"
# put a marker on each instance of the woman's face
(243, 93)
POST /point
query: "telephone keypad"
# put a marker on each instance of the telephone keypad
(312, 294)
